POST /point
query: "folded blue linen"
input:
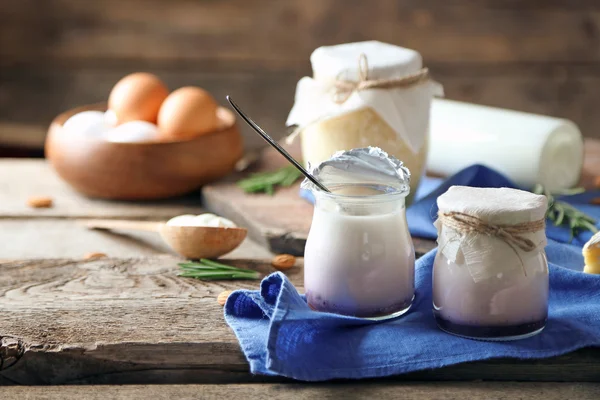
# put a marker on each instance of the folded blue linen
(281, 335)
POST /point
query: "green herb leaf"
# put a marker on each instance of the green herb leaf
(212, 270)
(538, 189)
(561, 213)
(587, 225)
(266, 182)
(569, 192)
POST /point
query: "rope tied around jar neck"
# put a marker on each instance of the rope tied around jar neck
(343, 89)
(512, 235)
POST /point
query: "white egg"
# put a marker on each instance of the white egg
(133, 131)
(88, 123)
(110, 117)
(208, 220)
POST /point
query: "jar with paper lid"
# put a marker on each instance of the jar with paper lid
(365, 94)
(490, 274)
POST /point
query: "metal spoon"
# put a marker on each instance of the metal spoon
(273, 143)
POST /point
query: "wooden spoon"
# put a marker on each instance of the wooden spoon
(192, 242)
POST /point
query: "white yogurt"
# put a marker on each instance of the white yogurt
(207, 219)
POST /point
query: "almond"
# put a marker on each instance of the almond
(39, 202)
(94, 256)
(222, 297)
(595, 200)
(283, 262)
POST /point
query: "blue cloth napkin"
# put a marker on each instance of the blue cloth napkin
(281, 335)
(423, 211)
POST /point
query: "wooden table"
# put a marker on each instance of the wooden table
(128, 319)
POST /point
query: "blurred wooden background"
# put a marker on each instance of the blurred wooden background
(540, 56)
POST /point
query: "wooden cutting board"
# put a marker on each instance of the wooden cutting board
(281, 222)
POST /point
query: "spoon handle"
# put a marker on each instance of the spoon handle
(277, 147)
(122, 224)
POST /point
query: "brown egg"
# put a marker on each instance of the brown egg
(137, 97)
(187, 112)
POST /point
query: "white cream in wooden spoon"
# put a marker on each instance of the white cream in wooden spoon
(192, 236)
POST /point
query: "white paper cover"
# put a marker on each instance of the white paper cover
(405, 109)
(487, 256)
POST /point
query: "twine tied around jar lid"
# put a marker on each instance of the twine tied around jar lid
(512, 235)
(343, 89)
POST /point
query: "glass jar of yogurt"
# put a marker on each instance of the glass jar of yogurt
(359, 258)
(490, 275)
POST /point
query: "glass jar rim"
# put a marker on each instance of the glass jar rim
(376, 198)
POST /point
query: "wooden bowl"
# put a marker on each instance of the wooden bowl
(142, 171)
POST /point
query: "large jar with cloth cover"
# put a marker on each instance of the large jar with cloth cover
(490, 275)
(365, 94)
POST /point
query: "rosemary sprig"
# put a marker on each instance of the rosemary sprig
(212, 270)
(267, 181)
(561, 213)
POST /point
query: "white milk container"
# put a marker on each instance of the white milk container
(527, 148)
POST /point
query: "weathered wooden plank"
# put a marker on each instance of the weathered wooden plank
(453, 31)
(534, 56)
(23, 135)
(111, 319)
(23, 238)
(383, 391)
(20, 179)
(134, 321)
(30, 97)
